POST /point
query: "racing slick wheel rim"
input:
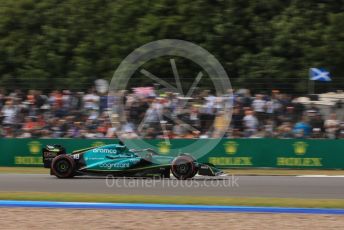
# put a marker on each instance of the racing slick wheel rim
(183, 167)
(63, 166)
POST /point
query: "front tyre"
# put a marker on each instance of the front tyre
(183, 167)
(63, 166)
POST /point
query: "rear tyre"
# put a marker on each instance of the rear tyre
(183, 167)
(63, 166)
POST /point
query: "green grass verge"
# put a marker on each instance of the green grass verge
(34, 170)
(83, 197)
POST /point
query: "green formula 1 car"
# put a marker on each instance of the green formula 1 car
(118, 160)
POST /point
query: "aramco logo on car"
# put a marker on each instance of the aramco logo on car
(34, 148)
(231, 148)
(101, 150)
(299, 149)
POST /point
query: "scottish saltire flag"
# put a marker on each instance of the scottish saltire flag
(319, 74)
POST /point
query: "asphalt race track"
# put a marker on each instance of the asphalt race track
(240, 186)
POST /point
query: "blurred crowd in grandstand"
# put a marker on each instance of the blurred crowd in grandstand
(66, 114)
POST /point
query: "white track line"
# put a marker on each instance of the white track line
(316, 176)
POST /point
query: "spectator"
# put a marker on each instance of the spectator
(285, 130)
(237, 119)
(331, 126)
(317, 123)
(259, 106)
(250, 123)
(91, 100)
(341, 130)
(9, 112)
(69, 114)
(302, 129)
(29, 124)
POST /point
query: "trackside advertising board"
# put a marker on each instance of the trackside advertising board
(228, 153)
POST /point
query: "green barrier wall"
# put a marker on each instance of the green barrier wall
(252, 153)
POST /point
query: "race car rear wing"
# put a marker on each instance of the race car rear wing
(49, 152)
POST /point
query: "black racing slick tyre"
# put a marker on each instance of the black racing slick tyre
(63, 166)
(183, 167)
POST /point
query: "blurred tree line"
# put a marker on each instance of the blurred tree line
(263, 44)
